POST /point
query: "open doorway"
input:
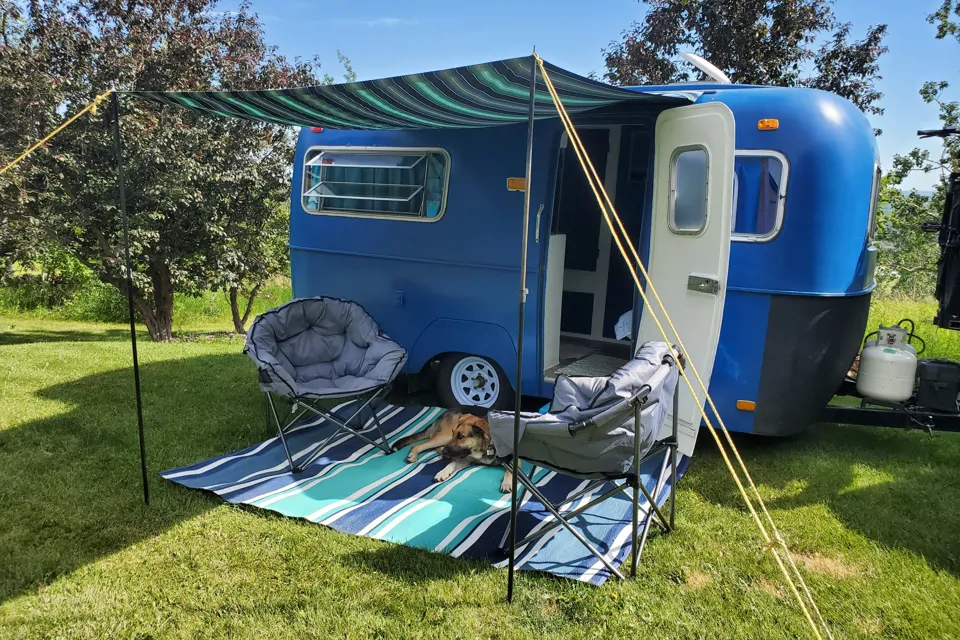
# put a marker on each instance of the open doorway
(594, 290)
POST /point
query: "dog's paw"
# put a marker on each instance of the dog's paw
(411, 457)
(506, 485)
(444, 474)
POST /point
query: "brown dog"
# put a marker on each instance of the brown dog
(462, 438)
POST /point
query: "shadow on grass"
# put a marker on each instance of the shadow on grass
(898, 488)
(20, 333)
(71, 483)
(413, 565)
(13, 337)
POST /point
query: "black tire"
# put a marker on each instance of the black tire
(448, 398)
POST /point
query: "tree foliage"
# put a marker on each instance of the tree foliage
(204, 194)
(909, 256)
(22, 122)
(772, 42)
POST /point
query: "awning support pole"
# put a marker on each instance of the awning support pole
(521, 310)
(118, 150)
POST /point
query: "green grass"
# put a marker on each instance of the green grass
(873, 515)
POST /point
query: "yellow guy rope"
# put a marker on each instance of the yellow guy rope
(778, 540)
(595, 183)
(771, 544)
(92, 106)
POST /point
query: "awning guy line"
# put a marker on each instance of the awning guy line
(91, 106)
(606, 206)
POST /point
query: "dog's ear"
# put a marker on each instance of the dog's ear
(479, 433)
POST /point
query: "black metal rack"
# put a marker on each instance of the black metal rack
(873, 413)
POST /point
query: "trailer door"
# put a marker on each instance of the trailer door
(690, 240)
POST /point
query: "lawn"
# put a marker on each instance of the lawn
(873, 516)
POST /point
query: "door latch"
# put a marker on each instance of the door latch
(703, 284)
(536, 237)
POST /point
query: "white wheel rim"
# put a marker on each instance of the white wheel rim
(474, 381)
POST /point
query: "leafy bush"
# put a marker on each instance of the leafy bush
(96, 302)
(53, 280)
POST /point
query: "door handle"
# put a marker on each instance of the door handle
(536, 237)
(703, 284)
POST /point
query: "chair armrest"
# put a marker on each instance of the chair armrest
(618, 411)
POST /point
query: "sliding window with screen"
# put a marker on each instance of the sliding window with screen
(396, 183)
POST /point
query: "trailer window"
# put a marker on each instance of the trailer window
(688, 191)
(760, 179)
(408, 184)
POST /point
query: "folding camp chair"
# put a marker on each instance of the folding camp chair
(313, 350)
(591, 431)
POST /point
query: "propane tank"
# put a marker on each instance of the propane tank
(888, 366)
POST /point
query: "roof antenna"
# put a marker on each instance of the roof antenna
(707, 68)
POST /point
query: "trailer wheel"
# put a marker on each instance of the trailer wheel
(468, 380)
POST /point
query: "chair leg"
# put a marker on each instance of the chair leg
(673, 484)
(283, 439)
(566, 525)
(662, 520)
(650, 513)
(344, 425)
(266, 411)
(635, 529)
(376, 421)
(674, 447)
(579, 494)
(570, 515)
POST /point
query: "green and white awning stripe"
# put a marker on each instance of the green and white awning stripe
(481, 95)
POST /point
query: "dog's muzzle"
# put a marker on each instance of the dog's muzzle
(454, 453)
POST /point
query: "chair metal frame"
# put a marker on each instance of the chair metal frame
(303, 403)
(310, 405)
(631, 481)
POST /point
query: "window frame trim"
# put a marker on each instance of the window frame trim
(376, 150)
(876, 181)
(758, 238)
(672, 196)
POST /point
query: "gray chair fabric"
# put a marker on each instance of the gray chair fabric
(322, 348)
(589, 430)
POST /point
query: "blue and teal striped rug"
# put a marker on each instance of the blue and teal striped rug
(355, 488)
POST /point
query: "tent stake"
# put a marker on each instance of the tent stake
(522, 309)
(118, 150)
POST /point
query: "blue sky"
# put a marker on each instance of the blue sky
(384, 38)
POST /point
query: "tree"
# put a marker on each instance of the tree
(191, 179)
(910, 254)
(255, 223)
(28, 113)
(254, 250)
(753, 41)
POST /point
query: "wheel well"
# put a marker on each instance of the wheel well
(448, 336)
(435, 360)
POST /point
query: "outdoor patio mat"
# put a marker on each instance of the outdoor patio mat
(355, 488)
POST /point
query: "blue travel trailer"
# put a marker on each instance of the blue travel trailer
(752, 207)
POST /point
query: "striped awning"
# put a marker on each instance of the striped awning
(481, 95)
